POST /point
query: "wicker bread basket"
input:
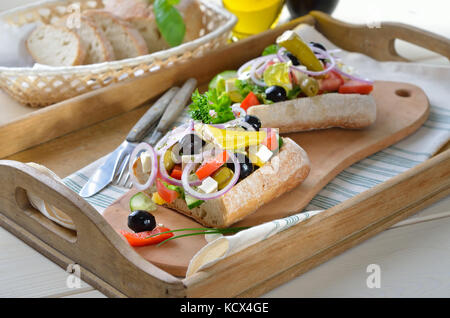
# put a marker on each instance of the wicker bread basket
(41, 87)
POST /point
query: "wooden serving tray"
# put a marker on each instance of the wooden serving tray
(401, 109)
(109, 264)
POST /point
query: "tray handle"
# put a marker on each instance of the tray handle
(94, 244)
(378, 43)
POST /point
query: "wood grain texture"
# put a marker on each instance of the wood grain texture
(81, 247)
(325, 235)
(414, 262)
(428, 182)
(378, 42)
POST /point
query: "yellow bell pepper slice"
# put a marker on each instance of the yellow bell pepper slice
(292, 42)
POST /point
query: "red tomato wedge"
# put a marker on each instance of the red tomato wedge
(212, 165)
(176, 172)
(356, 87)
(168, 195)
(331, 82)
(249, 101)
(271, 141)
(144, 238)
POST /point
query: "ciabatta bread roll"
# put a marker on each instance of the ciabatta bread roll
(285, 170)
(351, 111)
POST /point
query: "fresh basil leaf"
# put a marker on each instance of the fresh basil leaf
(169, 21)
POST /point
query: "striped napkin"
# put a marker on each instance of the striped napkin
(358, 178)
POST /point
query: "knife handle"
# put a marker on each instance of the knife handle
(139, 130)
(177, 105)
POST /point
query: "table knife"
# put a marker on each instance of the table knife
(105, 174)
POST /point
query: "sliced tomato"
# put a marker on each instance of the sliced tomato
(271, 141)
(356, 87)
(249, 101)
(166, 194)
(331, 82)
(146, 238)
(212, 165)
(176, 172)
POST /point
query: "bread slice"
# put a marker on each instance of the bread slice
(125, 40)
(194, 19)
(126, 9)
(142, 18)
(55, 46)
(98, 48)
(282, 173)
(351, 111)
(148, 29)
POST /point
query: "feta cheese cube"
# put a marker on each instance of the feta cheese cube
(209, 185)
(146, 162)
(264, 153)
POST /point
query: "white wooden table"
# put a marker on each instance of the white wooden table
(413, 256)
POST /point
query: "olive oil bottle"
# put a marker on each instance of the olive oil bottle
(254, 16)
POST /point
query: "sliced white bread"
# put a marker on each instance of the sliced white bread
(98, 48)
(126, 41)
(126, 9)
(142, 18)
(193, 18)
(148, 29)
(55, 46)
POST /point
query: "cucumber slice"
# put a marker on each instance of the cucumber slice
(141, 201)
(222, 76)
(192, 202)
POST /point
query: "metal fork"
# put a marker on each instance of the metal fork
(121, 172)
(115, 168)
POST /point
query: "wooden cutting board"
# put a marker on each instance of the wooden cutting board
(401, 109)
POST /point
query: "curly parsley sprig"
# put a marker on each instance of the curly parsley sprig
(211, 107)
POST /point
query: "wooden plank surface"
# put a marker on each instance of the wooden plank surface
(344, 276)
(45, 279)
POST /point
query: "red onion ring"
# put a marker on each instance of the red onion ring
(331, 66)
(151, 179)
(251, 62)
(215, 195)
(174, 181)
(325, 71)
(173, 137)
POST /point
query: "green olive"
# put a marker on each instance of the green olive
(223, 177)
(309, 86)
(168, 161)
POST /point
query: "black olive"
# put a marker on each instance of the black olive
(191, 144)
(245, 164)
(140, 221)
(318, 45)
(293, 58)
(276, 94)
(246, 170)
(253, 121)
